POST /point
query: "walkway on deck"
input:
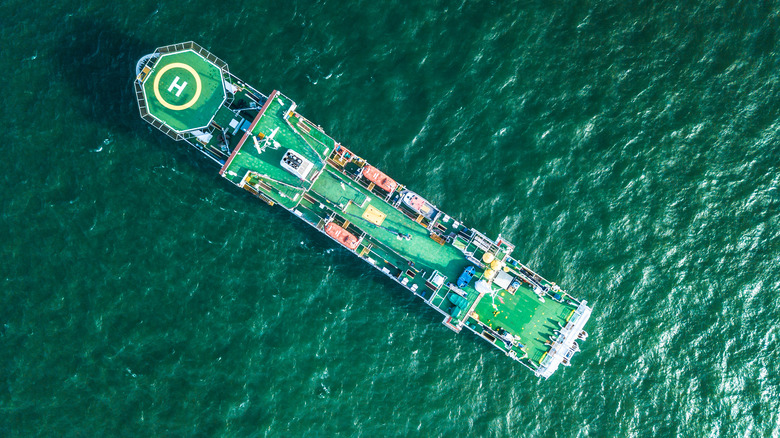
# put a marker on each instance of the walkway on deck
(420, 248)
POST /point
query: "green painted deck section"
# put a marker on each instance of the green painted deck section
(524, 315)
(312, 135)
(423, 250)
(333, 187)
(224, 116)
(266, 163)
(184, 105)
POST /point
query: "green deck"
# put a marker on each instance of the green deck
(184, 91)
(404, 246)
(248, 156)
(420, 248)
(523, 314)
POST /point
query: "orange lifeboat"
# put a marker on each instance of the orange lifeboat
(377, 177)
(342, 236)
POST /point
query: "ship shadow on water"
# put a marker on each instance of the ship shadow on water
(97, 63)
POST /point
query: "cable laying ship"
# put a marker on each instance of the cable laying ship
(264, 146)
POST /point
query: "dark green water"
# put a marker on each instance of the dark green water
(629, 149)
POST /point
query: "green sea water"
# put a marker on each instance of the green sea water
(629, 149)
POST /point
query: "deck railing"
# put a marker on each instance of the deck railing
(195, 47)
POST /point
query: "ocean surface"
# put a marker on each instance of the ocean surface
(629, 149)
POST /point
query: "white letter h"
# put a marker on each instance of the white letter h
(179, 87)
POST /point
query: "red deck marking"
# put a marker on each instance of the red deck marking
(248, 131)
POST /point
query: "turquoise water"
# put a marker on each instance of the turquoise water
(629, 150)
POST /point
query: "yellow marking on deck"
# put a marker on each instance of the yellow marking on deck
(198, 86)
(373, 215)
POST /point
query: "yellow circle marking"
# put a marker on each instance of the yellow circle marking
(184, 105)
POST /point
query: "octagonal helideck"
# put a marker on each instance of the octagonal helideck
(184, 90)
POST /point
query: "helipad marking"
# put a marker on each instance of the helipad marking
(183, 106)
(179, 87)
